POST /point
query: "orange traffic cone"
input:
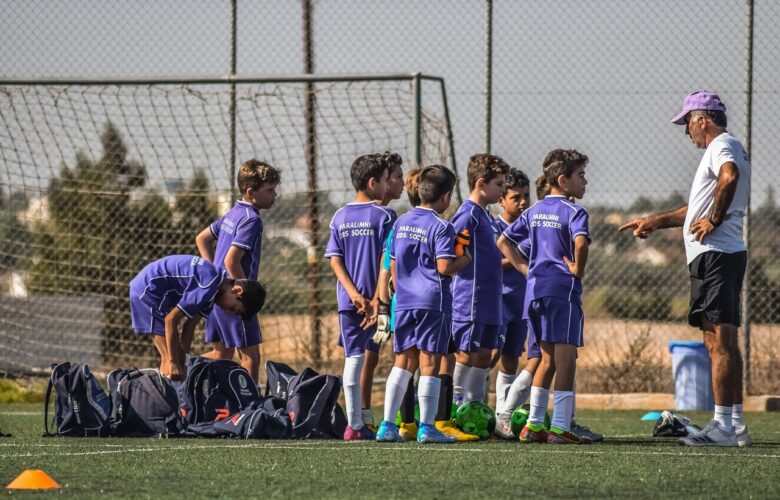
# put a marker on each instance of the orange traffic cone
(33, 479)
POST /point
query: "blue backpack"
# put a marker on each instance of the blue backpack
(144, 404)
(217, 389)
(81, 407)
(267, 419)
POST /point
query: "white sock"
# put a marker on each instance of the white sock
(518, 392)
(351, 380)
(475, 388)
(723, 416)
(539, 399)
(367, 416)
(736, 415)
(428, 391)
(503, 383)
(574, 400)
(397, 382)
(563, 402)
(460, 379)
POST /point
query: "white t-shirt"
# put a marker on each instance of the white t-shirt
(727, 237)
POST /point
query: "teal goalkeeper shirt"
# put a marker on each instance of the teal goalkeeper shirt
(386, 265)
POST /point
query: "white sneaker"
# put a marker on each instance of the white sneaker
(743, 438)
(712, 435)
(503, 427)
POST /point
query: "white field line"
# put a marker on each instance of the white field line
(269, 446)
(20, 413)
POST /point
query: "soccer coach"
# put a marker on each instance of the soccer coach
(716, 254)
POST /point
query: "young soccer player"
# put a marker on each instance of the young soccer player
(176, 291)
(386, 318)
(424, 259)
(238, 236)
(357, 234)
(476, 308)
(514, 200)
(557, 230)
(395, 187)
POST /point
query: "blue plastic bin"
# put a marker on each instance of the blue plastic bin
(692, 375)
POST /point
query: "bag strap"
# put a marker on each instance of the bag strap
(46, 432)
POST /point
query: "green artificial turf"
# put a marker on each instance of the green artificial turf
(629, 463)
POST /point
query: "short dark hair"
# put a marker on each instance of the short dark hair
(554, 155)
(566, 163)
(253, 297)
(412, 183)
(365, 168)
(393, 160)
(542, 187)
(515, 179)
(254, 173)
(485, 166)
(717, 117)
(434, 182)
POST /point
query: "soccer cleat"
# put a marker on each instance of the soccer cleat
(584, 432)
(448, 428)
(408, 431)
(559, 436)
(503, 427)
(362, 434)
(743, 438)
(371, 427)
(712, 435)
(388, 433)
(529, 435)
(429, 434)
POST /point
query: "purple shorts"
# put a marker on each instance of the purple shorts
(511, 336)
(231, 330)
(352, 338)
(533, 347)
(425, 329)
(471, 336)
(556, 321)
(146, 318)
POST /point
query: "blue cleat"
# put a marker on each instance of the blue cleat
(388, 433)
(430, 434)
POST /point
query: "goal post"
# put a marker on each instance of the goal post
(100, 176)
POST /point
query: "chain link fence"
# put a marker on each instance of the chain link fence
(97, 180)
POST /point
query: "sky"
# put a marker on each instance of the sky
(601, 76)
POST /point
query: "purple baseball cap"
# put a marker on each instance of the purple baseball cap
(696, 101)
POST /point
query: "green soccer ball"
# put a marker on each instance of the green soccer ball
(520, 417)
(476, 418)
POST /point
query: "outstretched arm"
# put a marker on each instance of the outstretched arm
(512, 254)
(728, 176)
(643, 226)
(451, 267)
(174, 363)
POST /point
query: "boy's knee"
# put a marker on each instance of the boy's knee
(251, 353)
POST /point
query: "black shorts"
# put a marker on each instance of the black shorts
(716, 283)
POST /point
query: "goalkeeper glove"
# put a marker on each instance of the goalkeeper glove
(462, 241)
(383, 332)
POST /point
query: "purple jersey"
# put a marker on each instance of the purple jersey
(476, 289)
(242, 227)
(184, 281)
(550, 225)
(357, 235)
(514, 283)
(421, 237)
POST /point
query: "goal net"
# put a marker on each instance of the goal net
(99, 178)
